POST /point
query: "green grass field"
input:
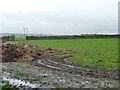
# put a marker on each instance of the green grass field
(86, 52)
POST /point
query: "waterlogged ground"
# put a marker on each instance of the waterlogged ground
(30, 75)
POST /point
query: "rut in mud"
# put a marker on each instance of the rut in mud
(66, 65)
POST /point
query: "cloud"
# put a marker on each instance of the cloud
(62, 17)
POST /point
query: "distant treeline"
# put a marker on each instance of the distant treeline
(71, 37)
(8, 38)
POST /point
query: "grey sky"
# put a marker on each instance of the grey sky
(60, 16)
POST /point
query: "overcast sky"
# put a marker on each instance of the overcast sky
(59, 16)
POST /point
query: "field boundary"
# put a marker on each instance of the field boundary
(82, 36)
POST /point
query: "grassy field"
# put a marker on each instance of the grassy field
(101, 53)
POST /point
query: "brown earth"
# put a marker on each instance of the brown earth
(14, 51)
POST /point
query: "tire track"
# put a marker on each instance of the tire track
(65, 66)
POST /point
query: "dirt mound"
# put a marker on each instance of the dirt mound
(12, 52)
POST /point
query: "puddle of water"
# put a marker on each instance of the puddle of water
(21, 83)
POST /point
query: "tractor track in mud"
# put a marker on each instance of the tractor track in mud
(65, 65)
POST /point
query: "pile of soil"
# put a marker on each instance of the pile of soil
(14, 51)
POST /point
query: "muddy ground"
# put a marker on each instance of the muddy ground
(51, 78)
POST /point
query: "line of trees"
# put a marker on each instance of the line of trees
(71, 37)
